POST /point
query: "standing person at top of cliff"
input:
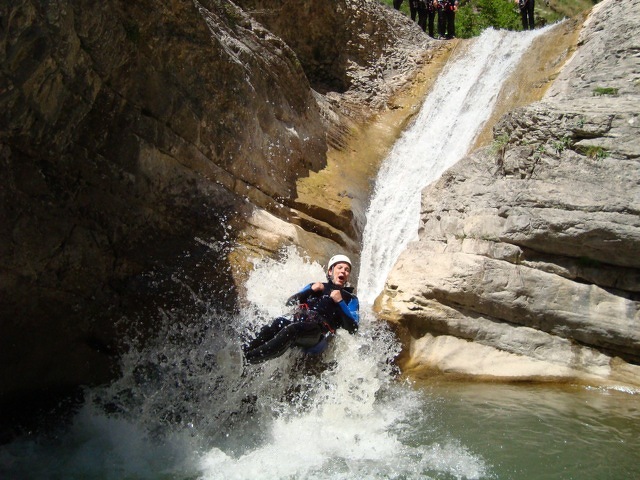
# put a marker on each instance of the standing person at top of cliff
(413, 7)
(423, 9)
(441, 20)
(321, 308)
(429, 7)
(447, 18)
(526, 12)
(450, 8)
(421, 6)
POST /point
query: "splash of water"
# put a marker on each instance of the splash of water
(348, 419)
(450, 119)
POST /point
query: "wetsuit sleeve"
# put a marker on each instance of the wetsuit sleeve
(350, 314)
(301, 296)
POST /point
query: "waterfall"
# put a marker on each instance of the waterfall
(449, 121)
(186, 407)
(352, 421)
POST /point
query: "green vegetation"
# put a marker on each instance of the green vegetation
(474, 16)
(555, 10)
(605, 91)
(499, 143)
(594, 152)
(232, 14)
(537, 154)
(561, 145)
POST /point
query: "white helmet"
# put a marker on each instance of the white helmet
(338, 259)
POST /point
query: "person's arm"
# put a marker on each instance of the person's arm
(349, 312)
(304, 294)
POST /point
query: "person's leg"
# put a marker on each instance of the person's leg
(308, 334)
(272, 348)
(523, 16)
(432, 15)
(397, 4)
(531, 7)
(266, 333)
(303, 334)
(451, 24)
(422, 18)
(442, 24)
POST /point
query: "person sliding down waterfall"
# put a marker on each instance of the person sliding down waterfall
(321, 308)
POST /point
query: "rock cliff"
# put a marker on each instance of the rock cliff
(527, 266)
(141, 141)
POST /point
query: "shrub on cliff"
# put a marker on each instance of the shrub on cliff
(474, 16)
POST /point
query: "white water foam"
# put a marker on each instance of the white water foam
(273, 281)
(350, 420)
(449, 121)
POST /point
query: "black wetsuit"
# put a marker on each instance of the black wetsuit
(316, 317)
(429, 18)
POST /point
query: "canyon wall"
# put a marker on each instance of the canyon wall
(141, 141)
(527, 266)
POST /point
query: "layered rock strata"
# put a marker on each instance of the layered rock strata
(357, 56)
(527, 266)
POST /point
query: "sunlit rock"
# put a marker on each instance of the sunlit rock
(530, 247)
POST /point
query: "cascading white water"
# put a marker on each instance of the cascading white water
(346, 420)
(450, 119)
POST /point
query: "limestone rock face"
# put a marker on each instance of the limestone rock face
(339, 42)
(357, 55)
(128, 130)
(528, 251)
(137, 140)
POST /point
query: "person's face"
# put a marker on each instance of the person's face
(340, 274)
